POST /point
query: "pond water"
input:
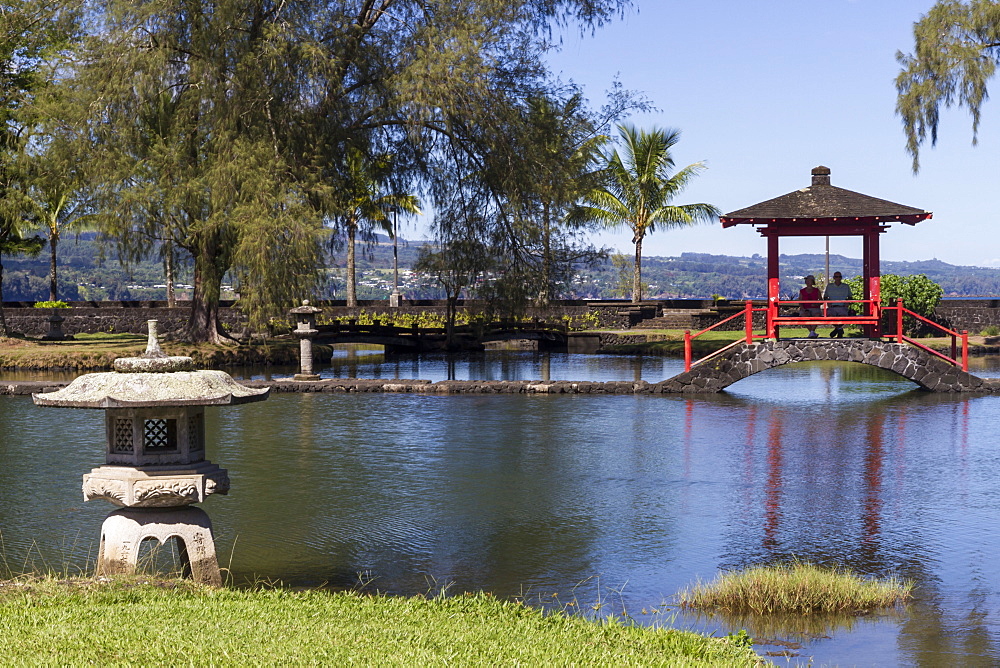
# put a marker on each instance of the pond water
(616, 502)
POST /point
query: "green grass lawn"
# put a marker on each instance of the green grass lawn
(129, 622)
(94, 352)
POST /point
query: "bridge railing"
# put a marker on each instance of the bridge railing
(378, 329)
(872, 308)
(956, 337)
(959, 355)
(748, 336)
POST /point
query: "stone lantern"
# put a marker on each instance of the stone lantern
(305, 329)
(155, 465)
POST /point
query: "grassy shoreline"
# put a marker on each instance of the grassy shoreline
(97, 352)
(142, 621)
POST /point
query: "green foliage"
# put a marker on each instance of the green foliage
(582, 322)
(992, 330)
(560, 153)
(51, 304)
(919, 294)
(739, 639)
(622, 276)
(456, 265)
(231, 133)
(956, 51)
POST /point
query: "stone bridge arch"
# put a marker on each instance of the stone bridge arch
(924, 369)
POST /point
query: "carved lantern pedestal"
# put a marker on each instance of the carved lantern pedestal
(155, 465)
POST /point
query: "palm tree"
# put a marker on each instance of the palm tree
(363, 203)
(56, 207)
(638, 190)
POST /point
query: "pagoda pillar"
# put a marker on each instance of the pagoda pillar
(773, 282)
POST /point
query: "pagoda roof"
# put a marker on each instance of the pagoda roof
(824, 203)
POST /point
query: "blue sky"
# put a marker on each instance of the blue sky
(764, 91)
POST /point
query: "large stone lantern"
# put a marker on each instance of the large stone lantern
(155, 465)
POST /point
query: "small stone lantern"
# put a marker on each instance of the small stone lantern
(155, 465)
(305, 329)
(55, 332)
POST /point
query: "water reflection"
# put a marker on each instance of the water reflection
(837, 464)
(356, 361)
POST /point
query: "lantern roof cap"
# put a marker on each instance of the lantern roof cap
(152, 379)
(305, 309)
(146, 389)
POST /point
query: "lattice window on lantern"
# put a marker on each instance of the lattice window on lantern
(159, 435)
(196, 432)
(123, 435)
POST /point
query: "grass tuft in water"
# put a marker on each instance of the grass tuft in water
(798, 587)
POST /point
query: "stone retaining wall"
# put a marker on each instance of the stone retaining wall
(131, 317)
(972, 315)
(120, 320)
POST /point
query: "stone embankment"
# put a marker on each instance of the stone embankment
(463, 386)
(343, 386)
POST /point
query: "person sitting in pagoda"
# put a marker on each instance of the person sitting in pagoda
(809, 306)
(835, 292)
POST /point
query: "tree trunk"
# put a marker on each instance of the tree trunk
(451, 310)
(352, 288)
(168, 259)
(3, 321)
(546, 293)
(637, 273)
(53, 279)
(203, 325)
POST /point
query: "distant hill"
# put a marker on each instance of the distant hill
(703, 274)
(86, 271)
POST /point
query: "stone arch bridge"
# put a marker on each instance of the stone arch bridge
(923, 368)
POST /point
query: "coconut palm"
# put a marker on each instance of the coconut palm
(365, 205)
(639, 189)
(57, 207)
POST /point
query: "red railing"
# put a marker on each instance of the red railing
(875, 310)
(775, 320)
(962, 336)
(747, 313)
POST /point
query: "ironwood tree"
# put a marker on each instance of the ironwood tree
(956, 52)
(181, 105)
(560, 151)
(31, 35)
(456, 266)
(222, 126)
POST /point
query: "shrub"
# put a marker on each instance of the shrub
(58, 304)
(919, 294)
